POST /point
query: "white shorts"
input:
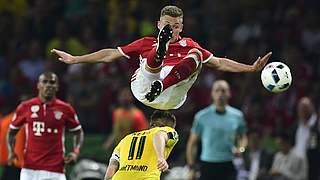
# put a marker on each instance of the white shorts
(30, 174)
(171, 98)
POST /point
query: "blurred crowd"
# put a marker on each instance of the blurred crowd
(238, 29)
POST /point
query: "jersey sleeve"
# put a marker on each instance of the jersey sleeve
(206, 54)
(132, 50)
(196, 126)
(19, 117)
(242, 128)
(72, 121)
(173, 136)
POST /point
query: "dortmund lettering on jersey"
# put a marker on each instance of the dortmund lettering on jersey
(137, 156)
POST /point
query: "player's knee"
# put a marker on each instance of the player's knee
(196, 55)
(197, 52)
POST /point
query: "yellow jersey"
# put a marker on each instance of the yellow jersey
(137, 156)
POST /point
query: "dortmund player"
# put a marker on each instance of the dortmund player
(143, 154)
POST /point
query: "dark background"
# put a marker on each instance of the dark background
(237, 29)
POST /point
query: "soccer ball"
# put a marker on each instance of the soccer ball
(276, 77)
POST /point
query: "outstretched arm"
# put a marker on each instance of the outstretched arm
(225, 64)
(104, 55)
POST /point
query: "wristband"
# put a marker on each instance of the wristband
(242, 149)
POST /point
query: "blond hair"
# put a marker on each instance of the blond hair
(162, 118)
(172, 11)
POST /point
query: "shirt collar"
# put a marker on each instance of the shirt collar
(53, 101)
(179, 39)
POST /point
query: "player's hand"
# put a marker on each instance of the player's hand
(70, 158)
(64, 57)
(162, 165)
(261, 62)
(237, 152)
(12, 158)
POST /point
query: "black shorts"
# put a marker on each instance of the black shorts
(217, 171)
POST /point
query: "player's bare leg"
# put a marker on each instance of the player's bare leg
(187, 66)
(157, 54)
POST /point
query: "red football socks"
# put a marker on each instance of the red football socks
(180, 72)
(151, 62)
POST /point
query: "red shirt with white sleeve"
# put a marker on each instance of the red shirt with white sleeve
(140, 48)
(45, 126)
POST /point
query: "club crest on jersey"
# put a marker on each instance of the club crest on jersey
(183, 43)
(58, 115)
(34, 110)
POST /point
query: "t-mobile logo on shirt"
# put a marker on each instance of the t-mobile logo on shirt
(38, 128)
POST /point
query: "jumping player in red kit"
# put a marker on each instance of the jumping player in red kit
(169, 64)
(45, 118)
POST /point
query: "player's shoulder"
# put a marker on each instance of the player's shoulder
(125, 139)
(29, 102)
(139, 133)
(145, 42)
(204, 111)
(166, 129)
(171, 132)
(62, 103)
(234, 111)
(149, 39)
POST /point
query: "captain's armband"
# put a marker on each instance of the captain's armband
(115, 156)
(173, 138)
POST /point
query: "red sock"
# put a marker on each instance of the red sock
(179, 72)
(151, 62)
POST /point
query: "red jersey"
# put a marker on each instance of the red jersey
(136, 118)
(45, 125)
(140, 48)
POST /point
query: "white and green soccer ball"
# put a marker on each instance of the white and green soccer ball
(276, 77)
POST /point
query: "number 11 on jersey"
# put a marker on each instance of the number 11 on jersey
(140, 147)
